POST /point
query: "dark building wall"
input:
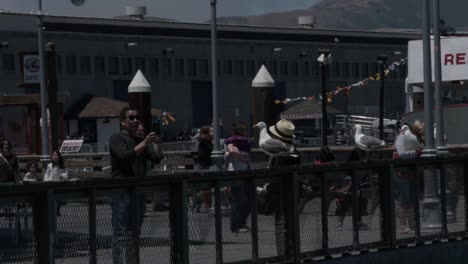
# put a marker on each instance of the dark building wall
(92, 62)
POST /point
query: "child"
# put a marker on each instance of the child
(56, 170)
(32, 174)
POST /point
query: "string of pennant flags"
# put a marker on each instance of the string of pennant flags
(393, 67)
(166, 118)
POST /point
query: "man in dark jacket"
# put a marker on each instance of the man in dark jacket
(129, 157)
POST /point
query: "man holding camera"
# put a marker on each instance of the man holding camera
(129, 156)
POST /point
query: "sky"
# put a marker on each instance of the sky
(182, 10)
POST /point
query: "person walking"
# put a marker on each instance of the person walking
(204, 162)
(10, 161)
(238, 148)
(128, 159)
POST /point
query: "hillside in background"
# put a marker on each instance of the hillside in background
(359, 14)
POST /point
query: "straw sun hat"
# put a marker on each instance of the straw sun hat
(282, 130)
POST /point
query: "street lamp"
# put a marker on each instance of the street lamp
(216, 155)
(382, 64)
(324, 59)
(45, 155)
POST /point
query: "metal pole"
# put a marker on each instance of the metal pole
(217, 155)
(431, 202)
(323, 83)
(382, 62)
(45, 156)
(438, 92)
(429, 149)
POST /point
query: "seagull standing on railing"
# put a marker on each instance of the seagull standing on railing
(274, 147)
(411, 142)
(366, 142)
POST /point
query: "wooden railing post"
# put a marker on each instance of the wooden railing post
(290, 185)
(178, 222)
(44, 217)
(387, 205)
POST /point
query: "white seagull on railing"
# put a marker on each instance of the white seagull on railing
(273, 147)
(411, 142)
(366, 142)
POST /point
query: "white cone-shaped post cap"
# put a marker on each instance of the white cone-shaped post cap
(263, 78)
(139, 84)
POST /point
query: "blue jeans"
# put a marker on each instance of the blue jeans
(240, 206)
(123, 226)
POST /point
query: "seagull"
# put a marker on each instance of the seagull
(366, 142)
(273, 147)
(411, 142)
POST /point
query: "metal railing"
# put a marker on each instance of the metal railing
(293, 216)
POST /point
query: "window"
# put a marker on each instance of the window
(238, 67)
(192, 67)
(127, 65)
(365, 70)
(8, 62)
(85, 64)
(227, 69)
(99, 64)
(155, 66)
(345, 70)
(315, 69)
(251, 67)
(168, 66)
(140, 64)
(114, 65)
(374, 68)
(70, 64)
(204, 68)
(355, 70)
(273, 67)
(283, 68)
(336, 70)
(305, 69)
(294, 68)
(58, 64)
(179, 67)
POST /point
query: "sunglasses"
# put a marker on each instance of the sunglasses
(133, 118)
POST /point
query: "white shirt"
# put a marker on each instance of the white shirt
(55, 174)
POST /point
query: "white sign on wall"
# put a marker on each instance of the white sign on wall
(31, 69)
(71, 145)
(454, 54)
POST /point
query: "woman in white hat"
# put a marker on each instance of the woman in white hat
(283, 131)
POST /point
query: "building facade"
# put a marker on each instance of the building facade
(100, 57)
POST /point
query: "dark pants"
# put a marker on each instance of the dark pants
(125, 221)
(240, 206)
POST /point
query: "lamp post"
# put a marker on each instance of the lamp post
(45, 155)
(216, 155)
(382, 64)
(431, 202)
(438, 92)
(429, 149)
(324, 59)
